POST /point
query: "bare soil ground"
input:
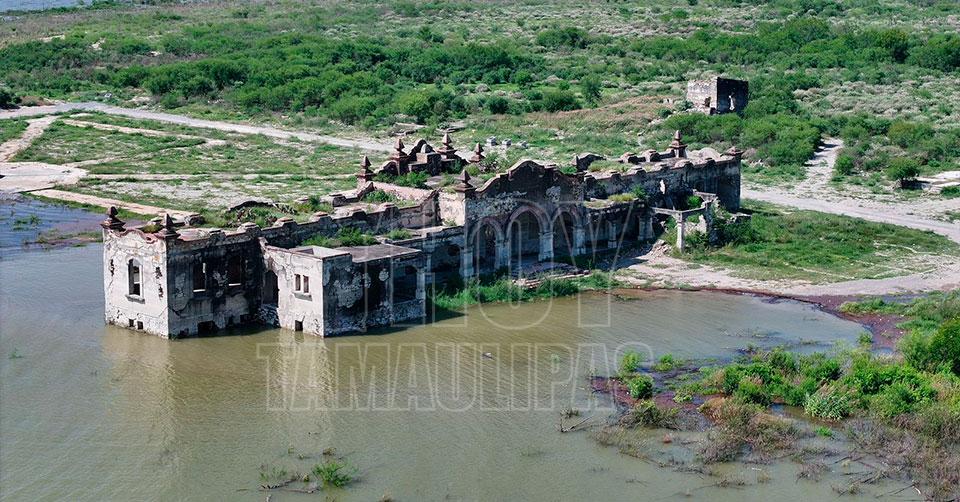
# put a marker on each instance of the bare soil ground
(658, 269)
(817, 194)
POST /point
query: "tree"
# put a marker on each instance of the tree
(498, 105)
(7, 98)
(903, 169)
(590, 86)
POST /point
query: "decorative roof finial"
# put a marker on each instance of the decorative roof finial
(112, 222)
(399, 146)
(464, 184)
(169, 230)
(477, 154)
(365, 173)
(677, 145)
(446, 139)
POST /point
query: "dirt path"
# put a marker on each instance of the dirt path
(144, 132)
(33, 131)
(816, 194)
(656, 269)
(106, 203)
(363, 144)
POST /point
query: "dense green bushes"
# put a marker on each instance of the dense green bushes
(808, 42)
(352, 80)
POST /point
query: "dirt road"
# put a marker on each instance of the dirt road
(32, 111)
(815, 193)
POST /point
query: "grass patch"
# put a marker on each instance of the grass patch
(780, 244)
(62, 143)
(346, 236)
(10, 129)
(501, 290)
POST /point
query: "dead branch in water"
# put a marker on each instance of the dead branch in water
(572, 428)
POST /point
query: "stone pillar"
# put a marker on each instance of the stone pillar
(422, 291)
(708, 216)
(429, 246)
(501, 254)
(681, 230)
(546, 246)
(646, 228)
(612, 229)
(466, 263)
(579, 247)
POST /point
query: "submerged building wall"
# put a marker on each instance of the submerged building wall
(181, 281)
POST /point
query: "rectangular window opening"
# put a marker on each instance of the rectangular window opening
(200, 277)
(235, 268)
(133, 272)
(301, 284)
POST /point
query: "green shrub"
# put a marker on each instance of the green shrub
(334, 473)
(640, 386)
(903, 169)
(498, 105)
(7, 98)
(945, 346)
(666, 363)
(829, 403)
(590, 86)
(379, 196)
(950, 192)
(622, 197)
(349, 236)
(844, 165)
(648, 414)
(559, 100)
(899, 398)
(751, 389)
(572, 37)
(630, 362)
(399, 234)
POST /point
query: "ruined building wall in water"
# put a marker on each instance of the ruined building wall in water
(175, 280)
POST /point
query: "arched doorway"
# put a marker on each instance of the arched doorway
(564, 246)
(524, 240)
(271, 289)
(485, 243)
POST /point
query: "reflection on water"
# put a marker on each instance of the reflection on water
(23, 220)
(95, 412)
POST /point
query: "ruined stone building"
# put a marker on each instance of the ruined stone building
(172, 279)
(718, 95)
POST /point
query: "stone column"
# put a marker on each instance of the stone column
(612, 229)
(501, 253)
(546, 246)
(429, 246)
(422, 291)
(681, 230)
(579, 247)
(466, 263)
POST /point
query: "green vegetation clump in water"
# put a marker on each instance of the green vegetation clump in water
(334, 473)
(776, 243)
(906, 408)
(497, 290)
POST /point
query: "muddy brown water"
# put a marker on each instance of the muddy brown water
(463, 409)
